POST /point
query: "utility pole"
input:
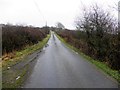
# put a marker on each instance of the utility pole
(46, 24)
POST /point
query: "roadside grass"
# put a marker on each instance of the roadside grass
(18, 55)
(9, 75)
(10, 78)
(100, 65)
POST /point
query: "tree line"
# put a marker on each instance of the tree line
(97, 35)
(15, 37)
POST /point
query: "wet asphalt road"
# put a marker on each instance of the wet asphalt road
(60, 67)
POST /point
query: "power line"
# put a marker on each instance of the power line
(37, 7)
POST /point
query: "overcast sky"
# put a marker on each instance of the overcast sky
(37, 12)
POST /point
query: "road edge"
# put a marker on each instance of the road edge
(89, 59)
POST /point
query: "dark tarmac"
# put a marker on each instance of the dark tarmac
(60, 67)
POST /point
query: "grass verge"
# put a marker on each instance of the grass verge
(100, 65)
(18, 55)
(13, 78)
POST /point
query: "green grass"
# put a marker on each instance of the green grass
(9, 78)
(100, 65)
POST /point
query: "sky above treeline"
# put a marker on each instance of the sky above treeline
(38, 12)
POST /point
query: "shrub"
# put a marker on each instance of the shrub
(17, 37)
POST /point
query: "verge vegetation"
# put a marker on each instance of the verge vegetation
(100, 65)
(33, 40)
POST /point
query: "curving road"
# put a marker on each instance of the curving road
(60, 67)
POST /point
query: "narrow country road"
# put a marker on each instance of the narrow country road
(60, 67)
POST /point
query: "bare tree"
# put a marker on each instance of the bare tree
(96, 19)
(60, 25)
